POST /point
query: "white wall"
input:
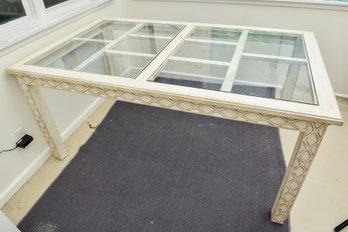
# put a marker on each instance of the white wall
(66, 108)
(329, 26)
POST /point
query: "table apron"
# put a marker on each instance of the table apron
(174, 103)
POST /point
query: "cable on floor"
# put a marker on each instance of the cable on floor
(7, 150)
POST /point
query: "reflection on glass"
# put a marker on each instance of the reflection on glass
(11, 10)
(108, 30)
(49, 3)
(274, 79)
(118, 65)
(141, 45)
(157, 29)
(192, 74)
(216, 34)
(206, 51)
(70, 55)
(276, 44)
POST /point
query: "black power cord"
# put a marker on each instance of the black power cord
(341, 226)
(9, 149)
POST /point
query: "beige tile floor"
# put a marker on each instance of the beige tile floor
(320, 206)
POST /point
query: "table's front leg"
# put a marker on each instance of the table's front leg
(44, 119)
(304, 152)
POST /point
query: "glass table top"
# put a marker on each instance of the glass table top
(248, 62)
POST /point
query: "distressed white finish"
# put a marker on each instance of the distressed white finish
(303, 155)
(310, 120)
(44, 118)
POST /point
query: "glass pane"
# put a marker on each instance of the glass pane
(276, 44)
(156, 29)
(274, 79)
(206, 51)
(118, 65)
(216, 34)
(192, 74)
(70, 55)
(141, 45)
(113, 48)
(11, 10)
(108, 31)
(202, 60)
(49, 3)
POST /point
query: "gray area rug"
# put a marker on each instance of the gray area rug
(150, 169)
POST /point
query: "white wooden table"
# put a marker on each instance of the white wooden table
(256, 75)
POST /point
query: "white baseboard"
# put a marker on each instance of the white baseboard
(23, 177)
(341, 95)
(81, 118)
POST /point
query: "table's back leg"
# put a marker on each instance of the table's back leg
(44, 119)
(304, 152)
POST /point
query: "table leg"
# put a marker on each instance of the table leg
(44, 119)
(304, 152)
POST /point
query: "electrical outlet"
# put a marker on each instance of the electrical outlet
(20, 132)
